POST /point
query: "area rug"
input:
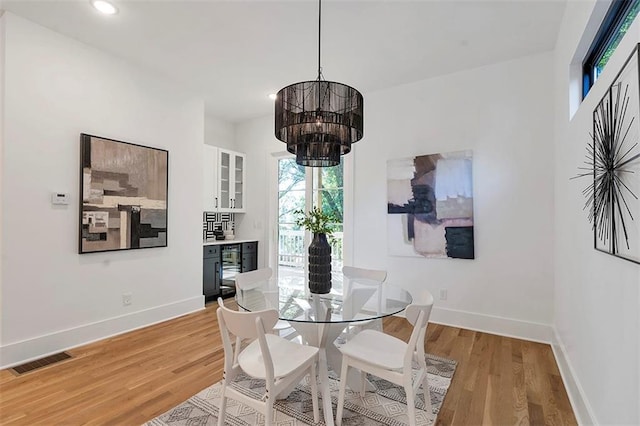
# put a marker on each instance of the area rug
(385, 406)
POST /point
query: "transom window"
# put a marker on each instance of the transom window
(614, 26)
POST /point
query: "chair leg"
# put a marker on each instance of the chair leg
(363, 383)
(427, 395)
(327, 409)
(411, 403)
(314, 392)
(343, 387)
(223, 404)
(268, 415)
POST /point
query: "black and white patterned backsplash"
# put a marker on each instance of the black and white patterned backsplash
(216, 222)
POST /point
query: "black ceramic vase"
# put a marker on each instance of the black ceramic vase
(319, 265)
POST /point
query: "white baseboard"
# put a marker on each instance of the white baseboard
(28, 350)
(581, 407)
(501, 326)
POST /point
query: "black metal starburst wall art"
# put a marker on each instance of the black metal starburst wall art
(613, 160)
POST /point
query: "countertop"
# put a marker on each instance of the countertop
(220, 242)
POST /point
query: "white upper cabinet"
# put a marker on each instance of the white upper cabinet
(231, 175)
(224, 174)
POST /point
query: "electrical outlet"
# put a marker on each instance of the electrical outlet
(443, 294)
(126, 299)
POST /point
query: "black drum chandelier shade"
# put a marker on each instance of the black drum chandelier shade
(319, 120)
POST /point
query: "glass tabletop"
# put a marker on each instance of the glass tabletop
(361, 303)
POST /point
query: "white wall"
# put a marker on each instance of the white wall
(53, 298)
(597, 296)
(504, 113)
(219, 133)
(257, 140)
(2, 86)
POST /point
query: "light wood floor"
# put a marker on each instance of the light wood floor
(132, 378)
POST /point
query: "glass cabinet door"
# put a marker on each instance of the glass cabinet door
(225, 175)
(238, 197)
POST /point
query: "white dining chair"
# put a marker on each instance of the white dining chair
(253, 279)
(279, 362)
(357, 278)
(394, 363)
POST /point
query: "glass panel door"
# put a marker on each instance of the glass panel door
(238, 182)
(291, 196)
(328, 194)
(303, 188)
(225, 174)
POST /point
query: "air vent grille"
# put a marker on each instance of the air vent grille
(39, 363)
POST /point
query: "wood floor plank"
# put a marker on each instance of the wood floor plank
(134, 377)
(481, 383)
(505, 386)
(520, 403)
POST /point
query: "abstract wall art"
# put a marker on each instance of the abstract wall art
(613, 165)
(430, 206)
(124, 195)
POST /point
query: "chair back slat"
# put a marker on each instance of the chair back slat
(266, 353)
(253, 279)
(418, 315)
(353, 273)
(230, 356)
(422, 302)
(364, 277)
(243, 324)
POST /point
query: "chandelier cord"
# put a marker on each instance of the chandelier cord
(319, 25)
(319, 66)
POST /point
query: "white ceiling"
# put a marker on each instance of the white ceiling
(234, 53)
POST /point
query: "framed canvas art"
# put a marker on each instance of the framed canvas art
(124, 195)
(430, 206)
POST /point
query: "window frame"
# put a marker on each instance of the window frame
(609, 28)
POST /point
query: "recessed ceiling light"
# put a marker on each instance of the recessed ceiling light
(104, 7)
(272, 96)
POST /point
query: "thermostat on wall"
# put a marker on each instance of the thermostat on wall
(59, 198)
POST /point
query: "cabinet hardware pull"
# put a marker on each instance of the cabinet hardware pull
(216, 202)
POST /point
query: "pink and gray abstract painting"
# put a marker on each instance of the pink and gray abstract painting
(430, 206)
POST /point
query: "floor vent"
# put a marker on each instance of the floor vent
(39, 363)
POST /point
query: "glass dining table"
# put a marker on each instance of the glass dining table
(321, 319)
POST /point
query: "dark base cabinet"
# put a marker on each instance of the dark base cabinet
(211, 271)
(222, 262)
(249, 256)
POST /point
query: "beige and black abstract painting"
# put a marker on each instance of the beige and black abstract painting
(124, 195)
(430, 206)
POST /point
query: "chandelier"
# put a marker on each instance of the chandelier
(319, 120)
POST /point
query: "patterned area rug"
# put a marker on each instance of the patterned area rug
(385, 406)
